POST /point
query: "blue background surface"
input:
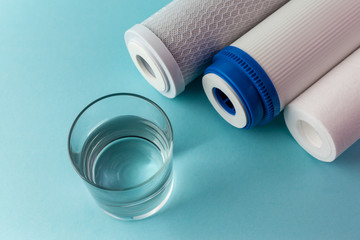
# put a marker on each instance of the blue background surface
(57, 56)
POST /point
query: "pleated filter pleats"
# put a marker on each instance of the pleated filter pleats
(295, 47)
(303, 41)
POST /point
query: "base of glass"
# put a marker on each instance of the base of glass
(148, 214)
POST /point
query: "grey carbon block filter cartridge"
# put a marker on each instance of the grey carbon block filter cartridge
(174, 46)
(252, 80)
(325, 119)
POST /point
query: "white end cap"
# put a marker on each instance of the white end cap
(311, 134)
(154, 61)
(212, 81)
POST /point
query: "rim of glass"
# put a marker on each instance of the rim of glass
(114, 95)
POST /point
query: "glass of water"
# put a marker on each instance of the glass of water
(121, 146)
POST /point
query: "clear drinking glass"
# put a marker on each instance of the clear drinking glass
(121, 146)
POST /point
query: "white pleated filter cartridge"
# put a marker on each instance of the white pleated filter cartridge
(252, 80)
(325, 119)
(174, 46)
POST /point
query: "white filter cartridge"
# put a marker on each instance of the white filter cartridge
(325, 119)
(174, 46)
(252, 80)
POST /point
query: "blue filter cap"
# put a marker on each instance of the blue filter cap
(240, 90)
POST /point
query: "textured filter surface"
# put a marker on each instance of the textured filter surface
(325, 119)
(302, 41)
(194, 30)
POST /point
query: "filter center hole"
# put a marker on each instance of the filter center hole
(224, 101)
(310, 134)
(145, 66)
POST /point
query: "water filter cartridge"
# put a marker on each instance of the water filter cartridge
(325, 119)
(252, 80)
(174, 46)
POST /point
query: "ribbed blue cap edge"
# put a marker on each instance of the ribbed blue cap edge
(250, 82)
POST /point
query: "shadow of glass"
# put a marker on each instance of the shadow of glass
(194, 110)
